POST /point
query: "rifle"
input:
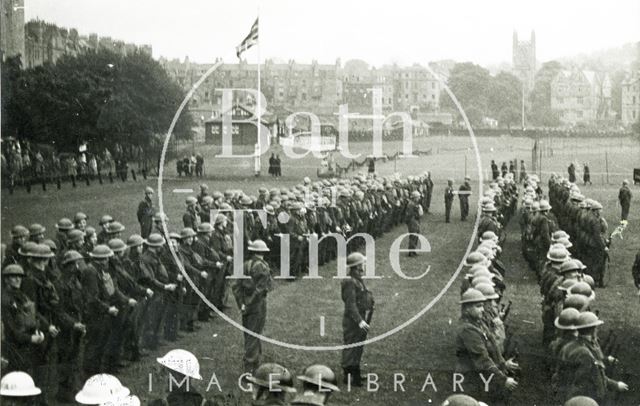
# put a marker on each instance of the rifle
(607, 340)
(506, 311)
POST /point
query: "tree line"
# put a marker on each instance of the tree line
(99, 97)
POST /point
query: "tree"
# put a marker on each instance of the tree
(470, 84)
(540, 98)
(617, 78)
(100, 97)
(505, 98)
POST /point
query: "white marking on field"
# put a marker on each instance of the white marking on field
(321, 326)
(182, 190)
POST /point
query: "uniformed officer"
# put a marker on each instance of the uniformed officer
(251, 297)
(19, 235)
(448, 200)
(318, 382)
(356, 319)
(271, 384)
(412, 219)
(463, 195)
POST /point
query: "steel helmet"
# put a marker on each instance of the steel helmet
(191, 201)
(481, 279)
(19, 231)
(273, 376)
(18, 384)
(489, 235)
(220, 218)
(558, 235)
(155, 240)
(544, 205)
(588, 319)
(321, 376)
(475, 258)
(558, 254)
(27, 248)
(487, 290)
(570, 265)
(115, 227)
(486, 251)
(64, 224)
(125, 401)
(568, 319)
(101, 251)
(567, 284)
(13, 270)
(101, 388)
(564, 242)
(472, 295)
(79, 217)
(582, 288)
(580, 401)
(105, 219)
(355, 259)
(205, 227)
(460, 400)
(187, 232)
(258, 246)
(578, 302)
(41, 251)
(71, 256)
(117, 245)
(181, 361)
(135, 240)
(36, 229)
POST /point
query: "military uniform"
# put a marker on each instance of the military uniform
(251, 294)
(412, 219)
(448, 202)
(463, 195)
(358, 306)
(589, 377)
(153, 276)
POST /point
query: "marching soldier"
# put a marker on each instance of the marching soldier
(251, 297)
(356, 319)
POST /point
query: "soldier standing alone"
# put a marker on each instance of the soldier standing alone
(145, 213)
(448, 200)
(624, 196)
(463, 194)
(358, 310)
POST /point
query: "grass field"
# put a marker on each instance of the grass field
(424, 347)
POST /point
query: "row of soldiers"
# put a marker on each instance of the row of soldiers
(484, 346)
(577, 364)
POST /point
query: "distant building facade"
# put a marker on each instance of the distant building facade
(631, 99)
(11, 28)
(581, 96)
(524, 60)
(317, 88)
(46, 43)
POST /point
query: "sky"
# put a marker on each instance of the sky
(398, 31)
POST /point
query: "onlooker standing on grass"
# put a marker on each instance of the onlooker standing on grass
(523, 171)
(624, 197)
(494, 170)
(572, 173)
(586, 177)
